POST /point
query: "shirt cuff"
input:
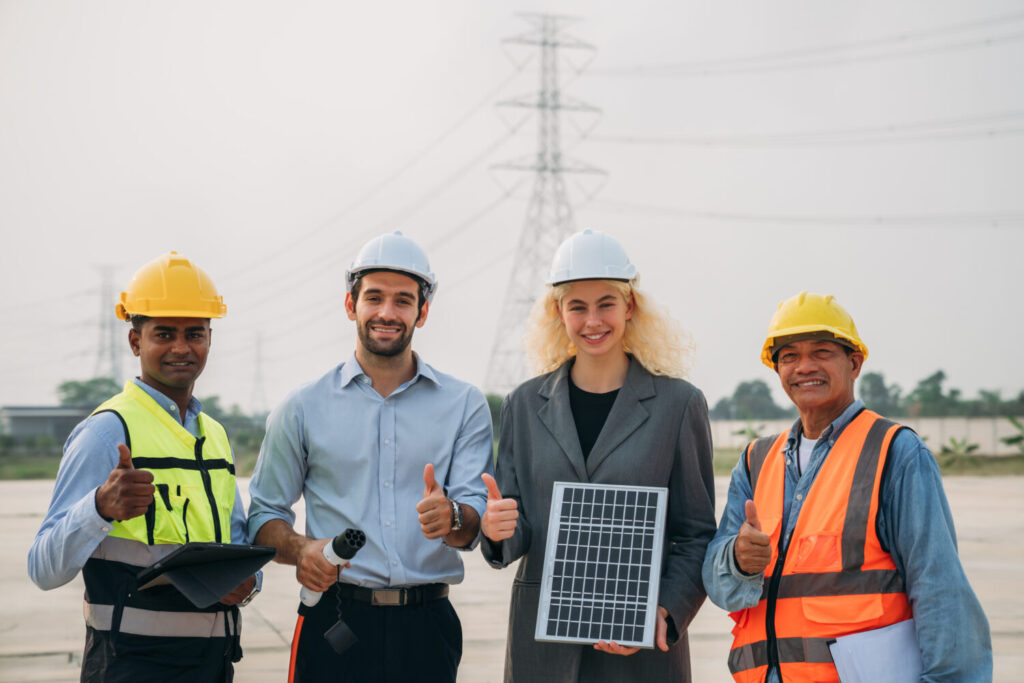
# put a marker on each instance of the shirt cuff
(90, 528)
(88, 519)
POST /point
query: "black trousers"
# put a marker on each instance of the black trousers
(419, 643)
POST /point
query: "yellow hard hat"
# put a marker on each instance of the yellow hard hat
(171, 286)
(810, 316)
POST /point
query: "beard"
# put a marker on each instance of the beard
(386, 349)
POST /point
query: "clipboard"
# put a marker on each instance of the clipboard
(206, 572)
(884, 655)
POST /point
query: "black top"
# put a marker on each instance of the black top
(589, 412)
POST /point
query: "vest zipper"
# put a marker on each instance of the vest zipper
(184, 518)
(773, 592)
(208, 485)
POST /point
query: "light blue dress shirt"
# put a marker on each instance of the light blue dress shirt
(358, 460)
(72, 528)
(914, 524)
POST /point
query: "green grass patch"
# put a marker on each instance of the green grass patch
(725, 460)
(986, 466)
(29, 466)
(44, 465)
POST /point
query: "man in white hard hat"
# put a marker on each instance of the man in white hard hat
(385, 444)
(839, 528)
(143, 475)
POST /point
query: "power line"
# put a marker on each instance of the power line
(919, 131)
(813, 57)
(486, 265)
(473, 219)
(43, 302)
(436, 191)
(319, 304)
(332, 257)
(996, 220)
(376, 189)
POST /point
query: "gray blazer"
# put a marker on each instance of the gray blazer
(657, 434)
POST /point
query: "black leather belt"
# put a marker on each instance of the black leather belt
(393, 597)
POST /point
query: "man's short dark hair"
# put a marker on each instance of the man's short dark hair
(138, 322)
(422, 286)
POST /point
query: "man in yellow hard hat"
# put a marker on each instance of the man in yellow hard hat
(147, 472)
(837, 547)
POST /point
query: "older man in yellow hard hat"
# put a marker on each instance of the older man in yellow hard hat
(147, 472)
(837, 547)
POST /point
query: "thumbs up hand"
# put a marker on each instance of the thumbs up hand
(499, 520)
(752, 548)
(435, 510)
(127, 492)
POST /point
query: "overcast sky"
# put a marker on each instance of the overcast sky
(872, 150)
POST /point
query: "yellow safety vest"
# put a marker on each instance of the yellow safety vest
(194, 477)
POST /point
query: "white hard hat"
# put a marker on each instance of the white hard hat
(395, 252)
(590, 255)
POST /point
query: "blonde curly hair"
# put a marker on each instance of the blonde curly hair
(656, 340)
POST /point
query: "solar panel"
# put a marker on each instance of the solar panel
(602, 564)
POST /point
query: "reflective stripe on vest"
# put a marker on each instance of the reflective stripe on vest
(752, 655)
(834, 578)
(131, 552)
(144, 622)
(194, 477)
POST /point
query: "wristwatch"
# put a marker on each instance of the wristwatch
(255, 589)
(456, 515)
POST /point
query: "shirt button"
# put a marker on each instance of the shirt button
(394, 563)
(799, 496)
(172, 407)
(387, 441)
(788, 461)
(387, 523)
(387, 484)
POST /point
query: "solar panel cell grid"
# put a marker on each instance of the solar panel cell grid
(600, 571)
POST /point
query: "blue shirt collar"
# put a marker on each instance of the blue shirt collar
(837, 426)
(165, 402)
(352, 370)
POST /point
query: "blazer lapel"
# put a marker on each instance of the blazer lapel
(556, 415)
(626, 415)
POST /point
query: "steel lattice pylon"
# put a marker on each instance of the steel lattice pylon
(108, 360)
(549, 218)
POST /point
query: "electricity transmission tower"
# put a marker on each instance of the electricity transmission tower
(549, 214)
(107, 361)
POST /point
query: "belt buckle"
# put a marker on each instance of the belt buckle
(389, 598)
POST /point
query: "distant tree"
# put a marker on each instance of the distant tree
(87, 393)
(879, 397)
(749, 401)
(928, 398)
(753, 400)
(722, 410)
(494, 402)
(989, 403)
(213, 408)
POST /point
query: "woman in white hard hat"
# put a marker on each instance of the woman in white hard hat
(611, 408)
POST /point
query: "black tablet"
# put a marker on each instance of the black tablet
(206, 572)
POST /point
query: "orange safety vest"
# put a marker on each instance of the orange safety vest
(836, 578)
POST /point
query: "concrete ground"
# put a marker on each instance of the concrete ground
(41, 634)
